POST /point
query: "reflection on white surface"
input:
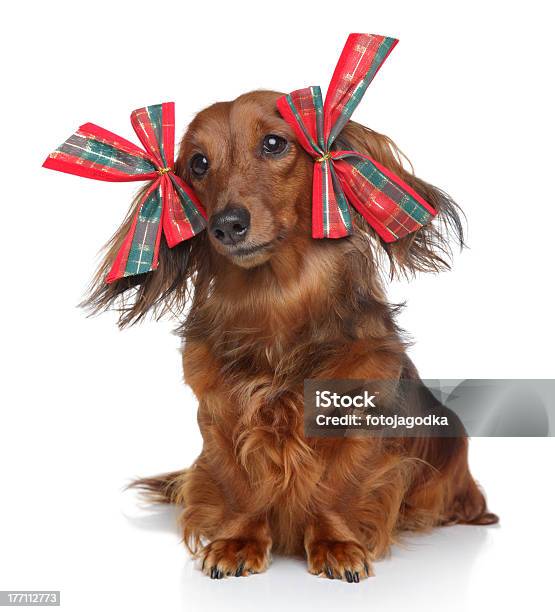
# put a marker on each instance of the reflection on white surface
(151, 517)
(441, 562)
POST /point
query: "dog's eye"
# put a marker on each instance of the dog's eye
(274, 145)
(199, 165)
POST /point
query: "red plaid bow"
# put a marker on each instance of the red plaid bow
(168, 205)
(389, 205)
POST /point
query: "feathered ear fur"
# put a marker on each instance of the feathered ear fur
(167, 289)
(185, 271)
(430, 248)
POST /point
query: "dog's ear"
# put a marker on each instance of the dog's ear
(430, 248)
(163, 290)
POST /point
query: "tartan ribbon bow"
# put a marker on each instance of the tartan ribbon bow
(389, 205)
(168, 205)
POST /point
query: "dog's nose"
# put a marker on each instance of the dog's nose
(231, 225)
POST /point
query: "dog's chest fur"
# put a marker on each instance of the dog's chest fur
(246, 357)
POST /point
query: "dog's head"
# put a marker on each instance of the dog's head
(255, 181)
(244, 163)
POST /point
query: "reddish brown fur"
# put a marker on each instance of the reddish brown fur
(257, 327)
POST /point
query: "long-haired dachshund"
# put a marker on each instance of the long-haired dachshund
(269, 307)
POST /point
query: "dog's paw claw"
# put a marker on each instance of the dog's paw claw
(347, 561)
(222, 558)
(239, 570)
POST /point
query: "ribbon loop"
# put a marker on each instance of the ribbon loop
(155, 128)
(391, 206)
(168, 206)
(362, 57)
(304, 111)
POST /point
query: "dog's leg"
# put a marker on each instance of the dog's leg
(239, 541)
(443, 490)
(242, 547)
(333, 550)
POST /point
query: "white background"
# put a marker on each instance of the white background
(467, 94)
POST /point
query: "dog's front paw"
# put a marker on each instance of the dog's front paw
(235, 557)
(343, 560)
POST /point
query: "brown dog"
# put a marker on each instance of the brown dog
(271, 307)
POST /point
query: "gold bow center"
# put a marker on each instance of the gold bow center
(324, 157)
(162, 171)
